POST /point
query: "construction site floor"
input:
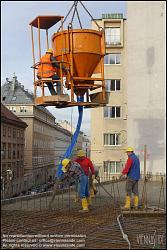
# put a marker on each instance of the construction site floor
(30, 224)
(97, 229)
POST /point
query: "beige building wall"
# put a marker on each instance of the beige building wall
(39, 141)
(146, 80)
(99, 124)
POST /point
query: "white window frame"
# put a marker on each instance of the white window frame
(23, 109)
(110, 36)
(13, 109)
(108, 139)
(109, 167)
(108, 85)
(108, 54)
(109, 112)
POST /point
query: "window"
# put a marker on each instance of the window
(18, 152)
(112, 35)
(112, 139)
(14, 98)
(18, 133)
(112, 59)
(22, 151)
(113, 84)
(3, 152)
(9, 132)
(14, 151)
(112, 112)
(3, 98)
(4, 130)
(9, 150)
(23, 109)
(13, 109)
(112, 167)
(21, 134)
(14, 133)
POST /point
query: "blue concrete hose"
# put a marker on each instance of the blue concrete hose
(71, 147)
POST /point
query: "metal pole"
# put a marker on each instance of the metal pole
(145, 156)
(39, 43)
(144, 178)
(47, 41)
(33, 52)
(102, 68)
(71, 65)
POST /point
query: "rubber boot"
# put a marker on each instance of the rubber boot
(92, 194)
(136, 202)
(127, 202)
(84, 205)
(89, 200)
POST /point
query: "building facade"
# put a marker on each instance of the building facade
(135, 82)
(109, 134)
(39, 140)
(12, 152)
(146, 69)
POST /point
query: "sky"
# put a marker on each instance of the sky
(16, 47)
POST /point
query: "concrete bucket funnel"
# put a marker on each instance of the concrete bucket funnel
(80, 48)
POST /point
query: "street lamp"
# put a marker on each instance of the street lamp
(9, 178)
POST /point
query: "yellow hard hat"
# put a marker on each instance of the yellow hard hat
(65, 162)
(129, 149)
(49, 51)
(81, 153)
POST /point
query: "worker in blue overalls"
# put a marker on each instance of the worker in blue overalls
(73, 170)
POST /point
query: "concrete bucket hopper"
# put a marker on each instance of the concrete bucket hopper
(82, 50)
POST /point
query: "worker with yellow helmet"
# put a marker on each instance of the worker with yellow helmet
(86, 166)
(48, 69)
(132, 171)
(71, 172)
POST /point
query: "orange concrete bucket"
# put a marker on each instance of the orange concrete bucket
(85, 46)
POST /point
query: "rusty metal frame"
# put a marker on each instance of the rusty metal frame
(72, 82)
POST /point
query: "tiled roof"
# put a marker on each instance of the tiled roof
(8, 116)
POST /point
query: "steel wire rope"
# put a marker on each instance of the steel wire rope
(100, 28)
(66, 17)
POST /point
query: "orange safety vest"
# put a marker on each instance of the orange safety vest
(46, 69)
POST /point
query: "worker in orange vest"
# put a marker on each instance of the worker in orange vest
(48, 69)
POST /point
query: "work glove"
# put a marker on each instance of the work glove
(97, 178)
(122, 177)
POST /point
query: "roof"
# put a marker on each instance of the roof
(8, 117)
(63, 130)
(45, 22)
(13, 92)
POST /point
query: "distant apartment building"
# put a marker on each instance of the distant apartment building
(109, 123)
(82, 143)
(62, 139)
(39, 150)
(12, 152)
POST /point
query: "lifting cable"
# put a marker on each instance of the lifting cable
(75, 10)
